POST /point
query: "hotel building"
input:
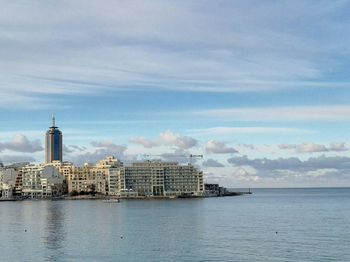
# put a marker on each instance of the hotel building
(156, 178)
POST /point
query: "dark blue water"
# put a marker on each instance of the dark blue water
(311, 225)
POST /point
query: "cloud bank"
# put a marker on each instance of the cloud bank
(218, 147)
(20, 143)
(308, 147)
(168, 138)
(82, 48)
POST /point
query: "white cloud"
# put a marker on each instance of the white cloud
(293, 163)
(101, 150)
(243, 175)
(337, 146)
(183, 142)
(212, 163)
(286, 146)
(67, 150)
(280, 114)
(308, 147)
(10, 159)
(109, 145)
(217, 147)
(246, 130)
(166, 138)
(321, 172)
(86, 47)
(145, 142)
(73, 148)
(249, 146)
(77, 148)
(290, 172)
(94, 156)
(179, 155)
(20, 143)
(235, 177)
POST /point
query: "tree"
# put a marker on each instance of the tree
(92, 188)
(74, 193)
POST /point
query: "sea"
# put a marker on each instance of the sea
(309, 224)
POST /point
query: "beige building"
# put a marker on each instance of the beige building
(89, 178)
(65, 168)
(86, 179)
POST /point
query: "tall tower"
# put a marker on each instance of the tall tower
(53, 143)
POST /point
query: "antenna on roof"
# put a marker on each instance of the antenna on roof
(53, 120)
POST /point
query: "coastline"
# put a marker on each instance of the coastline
(106, 197)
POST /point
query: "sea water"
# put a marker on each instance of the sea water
(269, 225)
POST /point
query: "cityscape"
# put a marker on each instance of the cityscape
(109, 177)
(175, 130)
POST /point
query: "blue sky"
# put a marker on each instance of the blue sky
(260, 88)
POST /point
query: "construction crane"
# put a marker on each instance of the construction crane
(194, 156)
(191, 156)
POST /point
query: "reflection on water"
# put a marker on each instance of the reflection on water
(54, 232)
(312, 225)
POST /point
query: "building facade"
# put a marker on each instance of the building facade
(10, 181)
(156, 178)
(86, 179)
(89, 178)
(141, 179)
(107, 177)
(41, 181)
(53, 144)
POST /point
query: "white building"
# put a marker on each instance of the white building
(41, 181)
(156, 178)
(7, 182)
(109, 176)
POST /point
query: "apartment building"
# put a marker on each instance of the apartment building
(90, 178)
(40, 181)
(156, 178)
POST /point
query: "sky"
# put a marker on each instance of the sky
(260, 88)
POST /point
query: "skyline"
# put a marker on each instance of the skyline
(260, 89)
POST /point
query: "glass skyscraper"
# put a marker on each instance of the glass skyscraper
(53, 143)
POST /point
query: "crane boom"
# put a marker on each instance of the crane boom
(191, 156)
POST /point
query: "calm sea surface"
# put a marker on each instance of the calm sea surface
(311, 225)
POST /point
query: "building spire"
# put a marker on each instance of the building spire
(53, 120)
